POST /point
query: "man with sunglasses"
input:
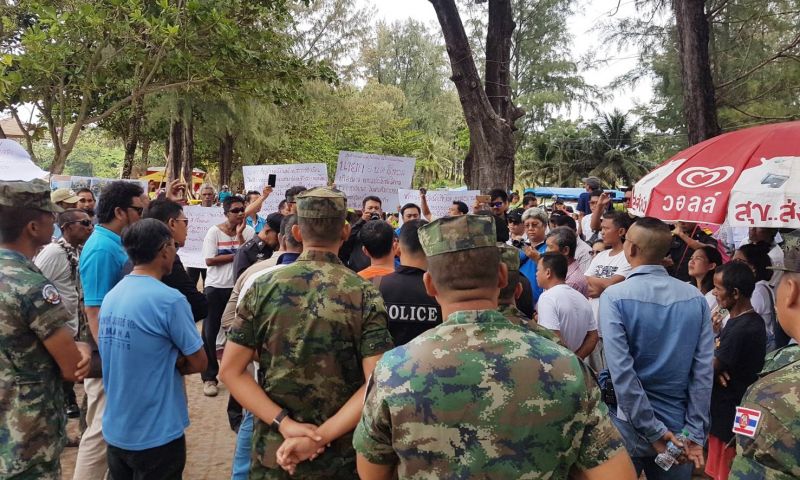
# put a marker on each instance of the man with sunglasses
(58, 261)
(103, 263)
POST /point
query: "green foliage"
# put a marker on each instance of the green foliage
(96, 154)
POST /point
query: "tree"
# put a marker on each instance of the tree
(617, 152)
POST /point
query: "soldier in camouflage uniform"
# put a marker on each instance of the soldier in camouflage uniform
(319, 329)
(768, 438)
(506, 303)
(35, 341)
(480, 397)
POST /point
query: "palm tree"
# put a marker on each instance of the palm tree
(617, 151)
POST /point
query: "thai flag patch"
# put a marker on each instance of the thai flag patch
(746, 421)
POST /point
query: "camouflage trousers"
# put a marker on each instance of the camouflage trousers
(41, 471)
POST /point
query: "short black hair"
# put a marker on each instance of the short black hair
(737, 275)
(620, 219)
(596, 193)
(499, 193)
(462, 207)
(14, 219)
(561, 220)
(84, 189)
(556, 262)
(292, 192)
(226, 204)
(757, 255)
(163, 210)
(528, 197)
(281, 205)
(119, 194)
(286, 230)
(250, 194)
(370, 198)
(410, 205)
(69, 215)
(409, 235)
(377, 237)
(144, 239)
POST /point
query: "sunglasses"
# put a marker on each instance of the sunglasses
(236, 210)
(496, 204)
(85, 222)
(139, 210)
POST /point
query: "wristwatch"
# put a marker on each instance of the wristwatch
(276, 422)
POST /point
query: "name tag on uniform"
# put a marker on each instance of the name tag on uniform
(746, 421)
(414, 313)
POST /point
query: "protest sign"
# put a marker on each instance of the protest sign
(16, 164)
(361, 174)
(200, 220)
(95, 184)
(439, 201)
(308, 175)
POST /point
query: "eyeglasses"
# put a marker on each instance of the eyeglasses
(184, 220)
(236, 210)
(496, 204)
(138, 210)
(85, 222)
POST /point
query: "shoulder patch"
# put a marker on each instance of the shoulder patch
(51, 295)
(746, 421)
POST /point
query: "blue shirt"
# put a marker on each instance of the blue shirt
(103, 263)
(287, 258)
(659, 348)
(144, 326)
(258, 225)
(528, 268)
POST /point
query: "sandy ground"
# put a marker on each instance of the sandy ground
(209, 439)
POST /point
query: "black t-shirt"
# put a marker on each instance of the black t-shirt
(741, 351)
(411, 310)
(680, 253)
(525, 301)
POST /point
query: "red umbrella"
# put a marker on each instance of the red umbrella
(750, 177)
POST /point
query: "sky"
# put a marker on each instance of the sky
(589, 14)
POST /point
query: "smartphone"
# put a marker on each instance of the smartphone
(271, 180)
(483, 198)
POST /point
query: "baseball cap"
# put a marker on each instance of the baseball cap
(454, 234)
(64, 195)
(593, 182)
(34, 194)
(274, 221)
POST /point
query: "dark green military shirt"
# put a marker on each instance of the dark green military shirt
(773, 452)
(479, 397)
(32, 419)
(312, 323)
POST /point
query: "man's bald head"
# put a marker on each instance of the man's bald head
(652, 239)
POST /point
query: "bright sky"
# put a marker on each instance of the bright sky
(590, 13)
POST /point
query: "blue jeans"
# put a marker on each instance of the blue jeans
(644, 455)
(244, 444)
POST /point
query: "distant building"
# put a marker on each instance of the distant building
(11, 129)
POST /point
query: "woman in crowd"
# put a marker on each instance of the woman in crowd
(701, 268)
(756, 256)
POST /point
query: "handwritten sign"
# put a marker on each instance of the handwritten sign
(95, 184)
(439, 201)
(361, 174)
(286, 176)
(200, 220)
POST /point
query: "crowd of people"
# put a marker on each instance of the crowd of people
(505, 340)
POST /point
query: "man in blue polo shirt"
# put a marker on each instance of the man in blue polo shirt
(103, 263)
(147, 341)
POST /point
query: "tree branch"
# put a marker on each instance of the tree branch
(761, 117)
(760, 65)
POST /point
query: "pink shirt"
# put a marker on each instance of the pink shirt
(577, 279)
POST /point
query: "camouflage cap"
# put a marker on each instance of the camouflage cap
(510, 256)
(34, 194)
(64, 195)
(453, 234)
(321, 202)
(791, 252)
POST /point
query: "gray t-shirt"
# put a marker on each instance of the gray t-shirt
(53, 263)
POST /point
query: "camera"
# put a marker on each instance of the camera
(375, 216)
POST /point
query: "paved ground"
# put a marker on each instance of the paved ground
(209, 439)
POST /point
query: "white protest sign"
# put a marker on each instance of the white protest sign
(308, 175)
(200, 220)
(361, 174)
(16, 164)
(439, 201)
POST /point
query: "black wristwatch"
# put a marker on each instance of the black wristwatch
(276, 422)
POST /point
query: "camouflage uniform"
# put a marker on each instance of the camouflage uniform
(32, 418)
(479, 397)
(312, 323)
(773, 452)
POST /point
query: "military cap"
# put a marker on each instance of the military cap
(791, 252)
(510, 256)
(64, 195)
(34, 194)
(453, 234)
(321, 202)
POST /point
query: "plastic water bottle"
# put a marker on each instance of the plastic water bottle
(667, 458)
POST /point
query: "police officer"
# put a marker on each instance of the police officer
(767, 424)
(37, 345)
(260, 247)
(411, 310)
(479, 397)
(319, 330)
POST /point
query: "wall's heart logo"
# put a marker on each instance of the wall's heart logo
(697, 177)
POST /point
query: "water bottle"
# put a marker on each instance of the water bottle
(667, 458)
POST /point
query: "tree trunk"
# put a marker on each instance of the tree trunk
(225, 158)
(132, 139)
(175, 149)
(2, 133)
(699, 106)
(145, 149)
(187, 154)
(490, 161)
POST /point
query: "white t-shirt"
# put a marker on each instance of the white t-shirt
(53, 263)
(218, 243)
(564, 309)
(605, 265)
(583, 255)
(711, 300)
(762, 303)
(586, 228)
